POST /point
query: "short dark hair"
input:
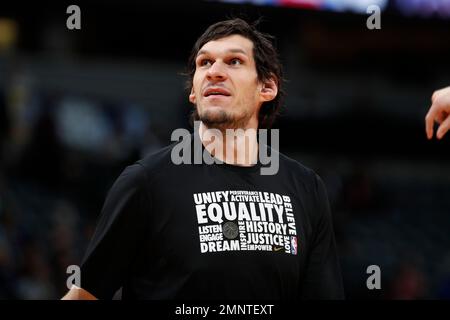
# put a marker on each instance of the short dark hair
(266, 58)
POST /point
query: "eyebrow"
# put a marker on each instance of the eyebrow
(229, 50)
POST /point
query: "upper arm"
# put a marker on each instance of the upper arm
(118, 237)
(323, 275)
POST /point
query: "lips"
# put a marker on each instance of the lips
(212, 91)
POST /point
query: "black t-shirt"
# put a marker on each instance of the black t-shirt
(199, 231)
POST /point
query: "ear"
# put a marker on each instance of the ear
(269, 90)
(192, 96)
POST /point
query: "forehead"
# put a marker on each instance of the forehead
(230, 43)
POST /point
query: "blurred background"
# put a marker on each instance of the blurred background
(77, 106)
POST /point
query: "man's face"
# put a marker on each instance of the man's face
(225, 88)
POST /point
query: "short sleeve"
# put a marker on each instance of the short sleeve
(323, 278)
(116, 239)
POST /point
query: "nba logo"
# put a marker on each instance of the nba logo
(294, 245)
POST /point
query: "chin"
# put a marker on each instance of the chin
(216, 113)
(215, 116)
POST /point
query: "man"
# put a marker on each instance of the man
(218, 231)
(439, 112)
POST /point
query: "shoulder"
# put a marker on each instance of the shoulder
(297, 170)
(157, 160)
(305, 179)
(296, 166)
(310, 186)
(153, 164)
(138, 172)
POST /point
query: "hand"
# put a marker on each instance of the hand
(439, 112)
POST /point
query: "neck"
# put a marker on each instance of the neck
(232, 146)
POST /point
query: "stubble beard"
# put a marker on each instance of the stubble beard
(222, 119)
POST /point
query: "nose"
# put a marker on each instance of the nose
(216, 72)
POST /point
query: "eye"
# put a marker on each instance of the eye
(235, 61)
(205, 62)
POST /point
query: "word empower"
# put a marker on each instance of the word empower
(235, 145)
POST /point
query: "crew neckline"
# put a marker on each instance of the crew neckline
(228, 166)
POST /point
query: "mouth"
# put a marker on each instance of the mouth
(216, 92)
